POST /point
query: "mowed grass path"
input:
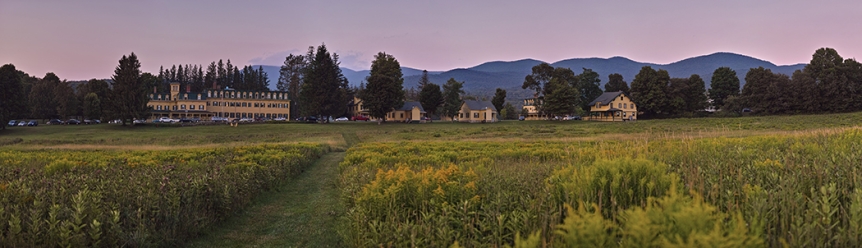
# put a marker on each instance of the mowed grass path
(304, 212)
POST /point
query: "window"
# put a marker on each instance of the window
(625, 105)
(183, 106)
(201, 107)
(402, 115)
(621, 97)
(475, 115)
(192, 107)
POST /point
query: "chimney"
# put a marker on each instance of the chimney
(188, 88)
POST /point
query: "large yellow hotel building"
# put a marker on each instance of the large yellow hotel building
(219, 103)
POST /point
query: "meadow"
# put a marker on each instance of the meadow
(751, 181)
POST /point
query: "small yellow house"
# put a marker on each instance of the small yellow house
(409, 112)
(613, 106)
(477, 111)
(531, 109)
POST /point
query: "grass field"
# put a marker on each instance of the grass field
(756, 181)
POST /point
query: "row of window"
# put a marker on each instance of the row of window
(250, 115)
(475, 115)
(624, 105)
(248, 104)
(248, 95)
(180, 107)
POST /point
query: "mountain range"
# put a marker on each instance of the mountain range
(510, 75)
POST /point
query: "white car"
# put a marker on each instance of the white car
(168, 120)
(342, 119)
(246, 120)
(280, 119)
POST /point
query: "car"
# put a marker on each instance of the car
(12, 123)
(88, 121)
(342, 119)
(168, 120)
(196, 119)
(137, 121)
(246, 120)
(97, 121)
(359, 118)
(22, 123)
(185, 120)
(220, 119)
(55, 122)
(310, 119)
(572, 118)
(33, 123)
(521, 118)
(280, 119)
(73, 122)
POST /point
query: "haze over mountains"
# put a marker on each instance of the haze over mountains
(510, 75)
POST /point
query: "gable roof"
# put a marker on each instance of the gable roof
(409, 106)
(607, 97)
(479, 105)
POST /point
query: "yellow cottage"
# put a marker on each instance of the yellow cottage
(613, 106)
(531, 109)
(477, 111)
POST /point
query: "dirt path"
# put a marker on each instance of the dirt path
(304, 212)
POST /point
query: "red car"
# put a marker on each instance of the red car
(359, 118)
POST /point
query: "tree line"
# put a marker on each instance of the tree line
(124, 97)
(218, 75)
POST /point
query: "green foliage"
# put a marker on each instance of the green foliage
(65, 99)
(724, 84)
(324, 89)
(51, 198)
(589, 87)
(431, 97)
(616, 83)
(584, 228)
(499, 99)
(128, 98)
(42, 102)
(452, 91)
(651, 92)
(92, 106)
(510, 112)
(385, 89)
(11, 92)
(290, 78)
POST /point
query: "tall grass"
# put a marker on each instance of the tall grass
(801, 189)
(79, 198)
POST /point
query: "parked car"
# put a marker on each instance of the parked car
(280, 119)
(137, 121)
(359, 118)
(196, 119)
(310, 119)
(73, 122)
(521, 118)
(88, 121)
(168, 120)
(185, 120)
(55, 122)
(12, 123)
(97, 121)
(246, 120)
(33, 123)
(341, 119)
(220, 119)
(572, 118)
(22, 123)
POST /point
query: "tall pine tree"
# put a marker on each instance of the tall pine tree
(385, 89)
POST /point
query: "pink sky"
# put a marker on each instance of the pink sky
(85, 39)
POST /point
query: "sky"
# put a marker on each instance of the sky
(85, 39)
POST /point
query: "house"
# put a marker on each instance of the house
(531, 109)
(355, 108)
(218, 103)
(409, 112)
(613, 106)
(477, 111)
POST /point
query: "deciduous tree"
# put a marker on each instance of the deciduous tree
(650, 91)
(11, 94)
(616, 83)
(724, 84)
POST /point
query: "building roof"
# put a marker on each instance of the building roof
(606, 98)
(479, 105)
(409, 106)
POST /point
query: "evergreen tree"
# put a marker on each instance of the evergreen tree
(173, 77)
(452, 91)
(262, 80)
(228, 77)
(211, 77)
(221, 78)
(431, 97)
(724, 84)
(424, 80)
(128, 98)
(11, 94)
(324, 88)
(237, 78)
(290, 79)
(384, 91)
(499, 99)
(616, 83)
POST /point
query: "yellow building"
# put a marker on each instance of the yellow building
(219, 103)
(477, 111)
(531, 109)
(356, 108)
(613, 106)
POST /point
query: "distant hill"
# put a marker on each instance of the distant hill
(484, 78)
